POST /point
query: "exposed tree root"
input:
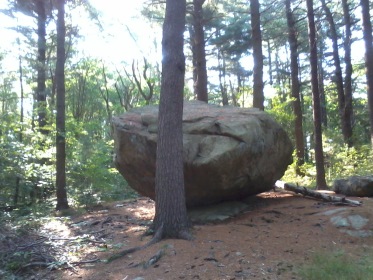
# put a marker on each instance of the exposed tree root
(186, 235)
(156, 238)
(152, 260)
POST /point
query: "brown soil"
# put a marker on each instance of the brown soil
(271, 240)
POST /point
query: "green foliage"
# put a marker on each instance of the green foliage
(337, 265)
(340, 162)
(281, 110)
(21, 164)
(343, 161)
(91, 176)
(361, 121)
(307, 180)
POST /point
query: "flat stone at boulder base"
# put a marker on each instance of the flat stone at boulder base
(217, 212)
(354, 186)
(229, 152)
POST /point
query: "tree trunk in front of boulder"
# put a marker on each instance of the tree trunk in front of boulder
(200, 81)
(170, 207)
(258, 101)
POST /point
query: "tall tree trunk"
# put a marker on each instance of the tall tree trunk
(295, 87)
(41, 95)
(222, 83)
(194, 58)
(321, 74)
(170, 206)
(348, 110)
(269, 53)
(18, 178)
(367, 30)
(105, 95)
(258, 101)
(200, 82)
(346, 126)
(319, 154)
(60, 116)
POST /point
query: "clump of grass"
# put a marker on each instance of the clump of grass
(337, 265)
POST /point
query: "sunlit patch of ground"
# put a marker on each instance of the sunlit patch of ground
(55, 226)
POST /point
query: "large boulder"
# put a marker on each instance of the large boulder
(354, 186)
(229, 152)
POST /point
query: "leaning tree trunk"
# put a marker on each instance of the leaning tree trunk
(295, 88)
(367, 30)
(346, 126)
(60, 116)
(198, 42)
(258, 101)
(170, 207)
(319, 154)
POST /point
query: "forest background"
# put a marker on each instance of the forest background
(112, 64)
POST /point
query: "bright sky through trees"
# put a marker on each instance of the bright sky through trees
(124, 35)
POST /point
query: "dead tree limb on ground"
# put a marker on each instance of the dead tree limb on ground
(317, 195)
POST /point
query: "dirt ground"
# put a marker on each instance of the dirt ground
(270, 240)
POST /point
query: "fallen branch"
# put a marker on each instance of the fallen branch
(317, 195)
(55, 265)
(77, 239)
(86, 261)
(40, 264)
(23, 247)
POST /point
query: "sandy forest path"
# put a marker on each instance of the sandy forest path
(270, 240)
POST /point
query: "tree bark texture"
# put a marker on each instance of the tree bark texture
(222, 82)
(60, 117)
(348, 110)
(170, 206)
(198, 41)
(321, 75)
(295, 86)
(319, 154)
(41, 95)
(258, 101)
(367, 31)
(269, 53)
(345, 125)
